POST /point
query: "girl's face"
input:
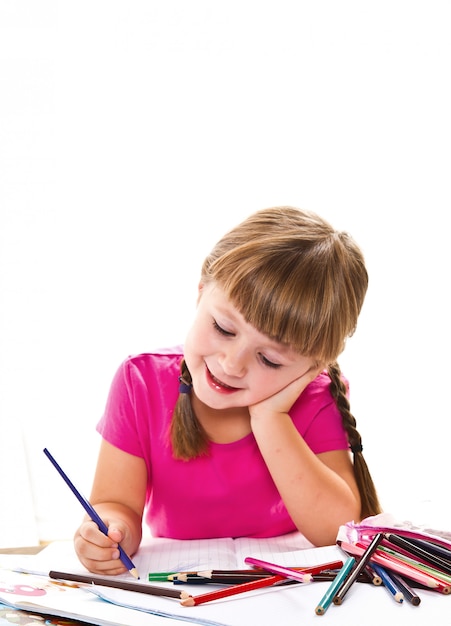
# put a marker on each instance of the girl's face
(231, 363)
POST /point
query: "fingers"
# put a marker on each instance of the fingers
(99, 553)
(283, 400)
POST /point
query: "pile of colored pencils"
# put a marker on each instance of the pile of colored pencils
(405, 564)
(402, 565)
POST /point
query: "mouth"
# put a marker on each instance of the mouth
(217, 384)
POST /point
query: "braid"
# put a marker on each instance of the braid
(369, 499)
(188, 437)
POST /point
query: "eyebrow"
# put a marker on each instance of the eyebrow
(235, 316)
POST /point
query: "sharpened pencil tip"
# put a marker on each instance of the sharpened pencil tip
(188, 602)
(134, 573)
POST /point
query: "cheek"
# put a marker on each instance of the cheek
(269, 382)
(195, 342)
(264, 384)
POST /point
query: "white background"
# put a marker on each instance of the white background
(134, 133)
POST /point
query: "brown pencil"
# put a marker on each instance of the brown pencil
(121, 584)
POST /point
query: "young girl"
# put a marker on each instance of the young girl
(246, 430)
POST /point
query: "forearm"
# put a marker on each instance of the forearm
(317, 498)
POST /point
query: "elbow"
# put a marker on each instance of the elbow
(323, 530)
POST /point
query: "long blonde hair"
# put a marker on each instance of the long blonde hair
(302, 283)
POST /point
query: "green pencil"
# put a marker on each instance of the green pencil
(160, 576)
(340, 578)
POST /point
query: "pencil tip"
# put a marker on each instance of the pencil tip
(134, 572)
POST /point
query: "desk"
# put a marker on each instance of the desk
(364, 604)
(24, 550)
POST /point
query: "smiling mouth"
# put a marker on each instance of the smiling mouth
(218, 384)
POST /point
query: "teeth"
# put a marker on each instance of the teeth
(219, 382)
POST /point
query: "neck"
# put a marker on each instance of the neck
(222, 425)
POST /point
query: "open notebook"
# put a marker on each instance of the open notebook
(155, 555)
(290, 605)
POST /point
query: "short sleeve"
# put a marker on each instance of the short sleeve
(317, 418)
(118, 424)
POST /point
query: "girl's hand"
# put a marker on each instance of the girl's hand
(98, 552)
(282, 401)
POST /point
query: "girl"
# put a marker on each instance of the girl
(247, 430)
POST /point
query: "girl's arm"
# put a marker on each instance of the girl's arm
(118, 495)
(319, 491)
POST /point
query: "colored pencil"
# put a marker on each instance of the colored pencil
(340, 578)
(234, 577)
(407, 591)
(294, 574)
(330, 576)
(436, 561)
(375, 579)
(442, 580)
(422, 566)
(159, 576)
(358, 568)
(430, 546)
(218, 579)
(413, 570)
(121, 584)
(260, 583)
(398, 566)
(212, 572)
(322, 567)
(92, 514)
(389, 583)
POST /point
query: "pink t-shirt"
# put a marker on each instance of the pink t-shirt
(230, 492)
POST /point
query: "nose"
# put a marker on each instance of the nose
(233, 361)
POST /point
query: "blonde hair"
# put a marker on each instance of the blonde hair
(302, 283)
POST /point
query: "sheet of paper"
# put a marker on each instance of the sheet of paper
(170, 555)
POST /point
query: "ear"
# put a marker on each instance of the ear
(199, 291)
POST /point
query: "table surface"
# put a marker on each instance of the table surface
(22, 550)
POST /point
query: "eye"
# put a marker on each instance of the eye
(221, 330)
(269, 363)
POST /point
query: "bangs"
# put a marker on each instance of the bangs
(292, 294)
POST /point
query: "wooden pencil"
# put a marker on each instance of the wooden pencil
(358, 568)
(335, 585)
(295, 574)
(221, 579)
(152, 590)
(399, 566)
(407, 591)
(436, 561)
(260, 583)
(389, 583)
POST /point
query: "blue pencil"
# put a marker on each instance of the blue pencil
(326, 600)
(389, 583)
(93, 514)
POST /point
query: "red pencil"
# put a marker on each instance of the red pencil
(400, 567)
(235, 589)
